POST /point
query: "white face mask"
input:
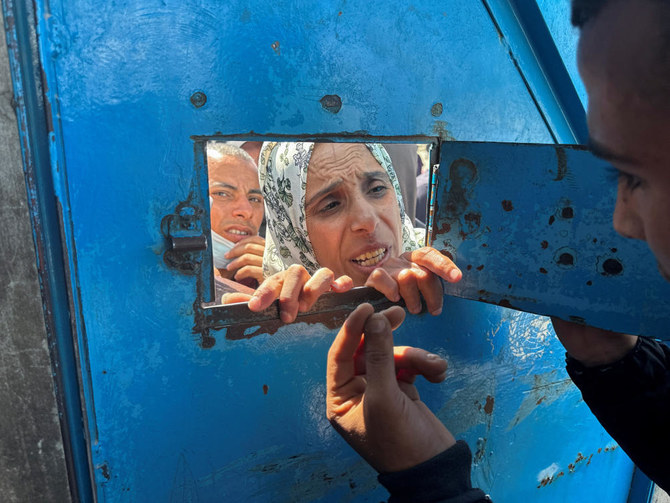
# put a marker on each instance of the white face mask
(220, 246)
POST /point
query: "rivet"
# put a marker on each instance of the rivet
(198, 99)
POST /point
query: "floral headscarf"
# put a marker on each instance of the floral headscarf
(282, 172)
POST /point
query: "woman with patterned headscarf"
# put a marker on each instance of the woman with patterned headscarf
(335, 220)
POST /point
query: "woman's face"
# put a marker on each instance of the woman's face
(352, 213)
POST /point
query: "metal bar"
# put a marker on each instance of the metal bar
(641, 488)
(533, 51)
(239, 314)
(20, 23)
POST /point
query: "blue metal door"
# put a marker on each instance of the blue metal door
(177, 411)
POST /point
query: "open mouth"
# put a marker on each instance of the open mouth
(370, 258)
(238, 232)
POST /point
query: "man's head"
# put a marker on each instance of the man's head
(235, 195)
(624, 60)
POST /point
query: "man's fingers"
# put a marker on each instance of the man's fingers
(417, 361)
(341, 354)
(379, 360)
(245, 260)
(395, 315)
(249, 272)
(252, 245)
(435, 262)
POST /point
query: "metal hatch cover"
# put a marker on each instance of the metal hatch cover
(531, 228)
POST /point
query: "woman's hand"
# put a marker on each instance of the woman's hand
(296, 290)
(415, 274)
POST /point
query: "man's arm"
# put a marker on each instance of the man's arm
(593, 346)
(625, 381)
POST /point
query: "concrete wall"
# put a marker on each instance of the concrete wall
(660, 496)
(32, 465)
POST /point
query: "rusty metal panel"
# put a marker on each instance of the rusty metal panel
(530, 225)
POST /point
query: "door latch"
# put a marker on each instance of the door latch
(185, 238)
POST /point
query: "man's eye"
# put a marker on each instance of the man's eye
(632, 182)
(256, 200)
(220, 193)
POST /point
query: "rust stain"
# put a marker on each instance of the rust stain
(543, 270)
(567, 213)
(565, 259)
(479, 268)
(447, 254)
(446, 228)
(561, 164)
(440, 129)
(544, 245)
(265, 389)
(331, 103)
(472, 221)
(104, 468)
(462, 175)
(507, 205)
(548, 480)
(612, 267)
(207, 341)
(488, 407)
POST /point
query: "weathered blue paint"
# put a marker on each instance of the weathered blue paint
(244, 419)
(530, 232)
(564, 35)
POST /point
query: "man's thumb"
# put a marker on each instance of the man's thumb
(379, 360)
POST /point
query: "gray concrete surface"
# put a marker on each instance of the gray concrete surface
(32, 465)
(660, 496)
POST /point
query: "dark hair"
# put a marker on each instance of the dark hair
(584, 11)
